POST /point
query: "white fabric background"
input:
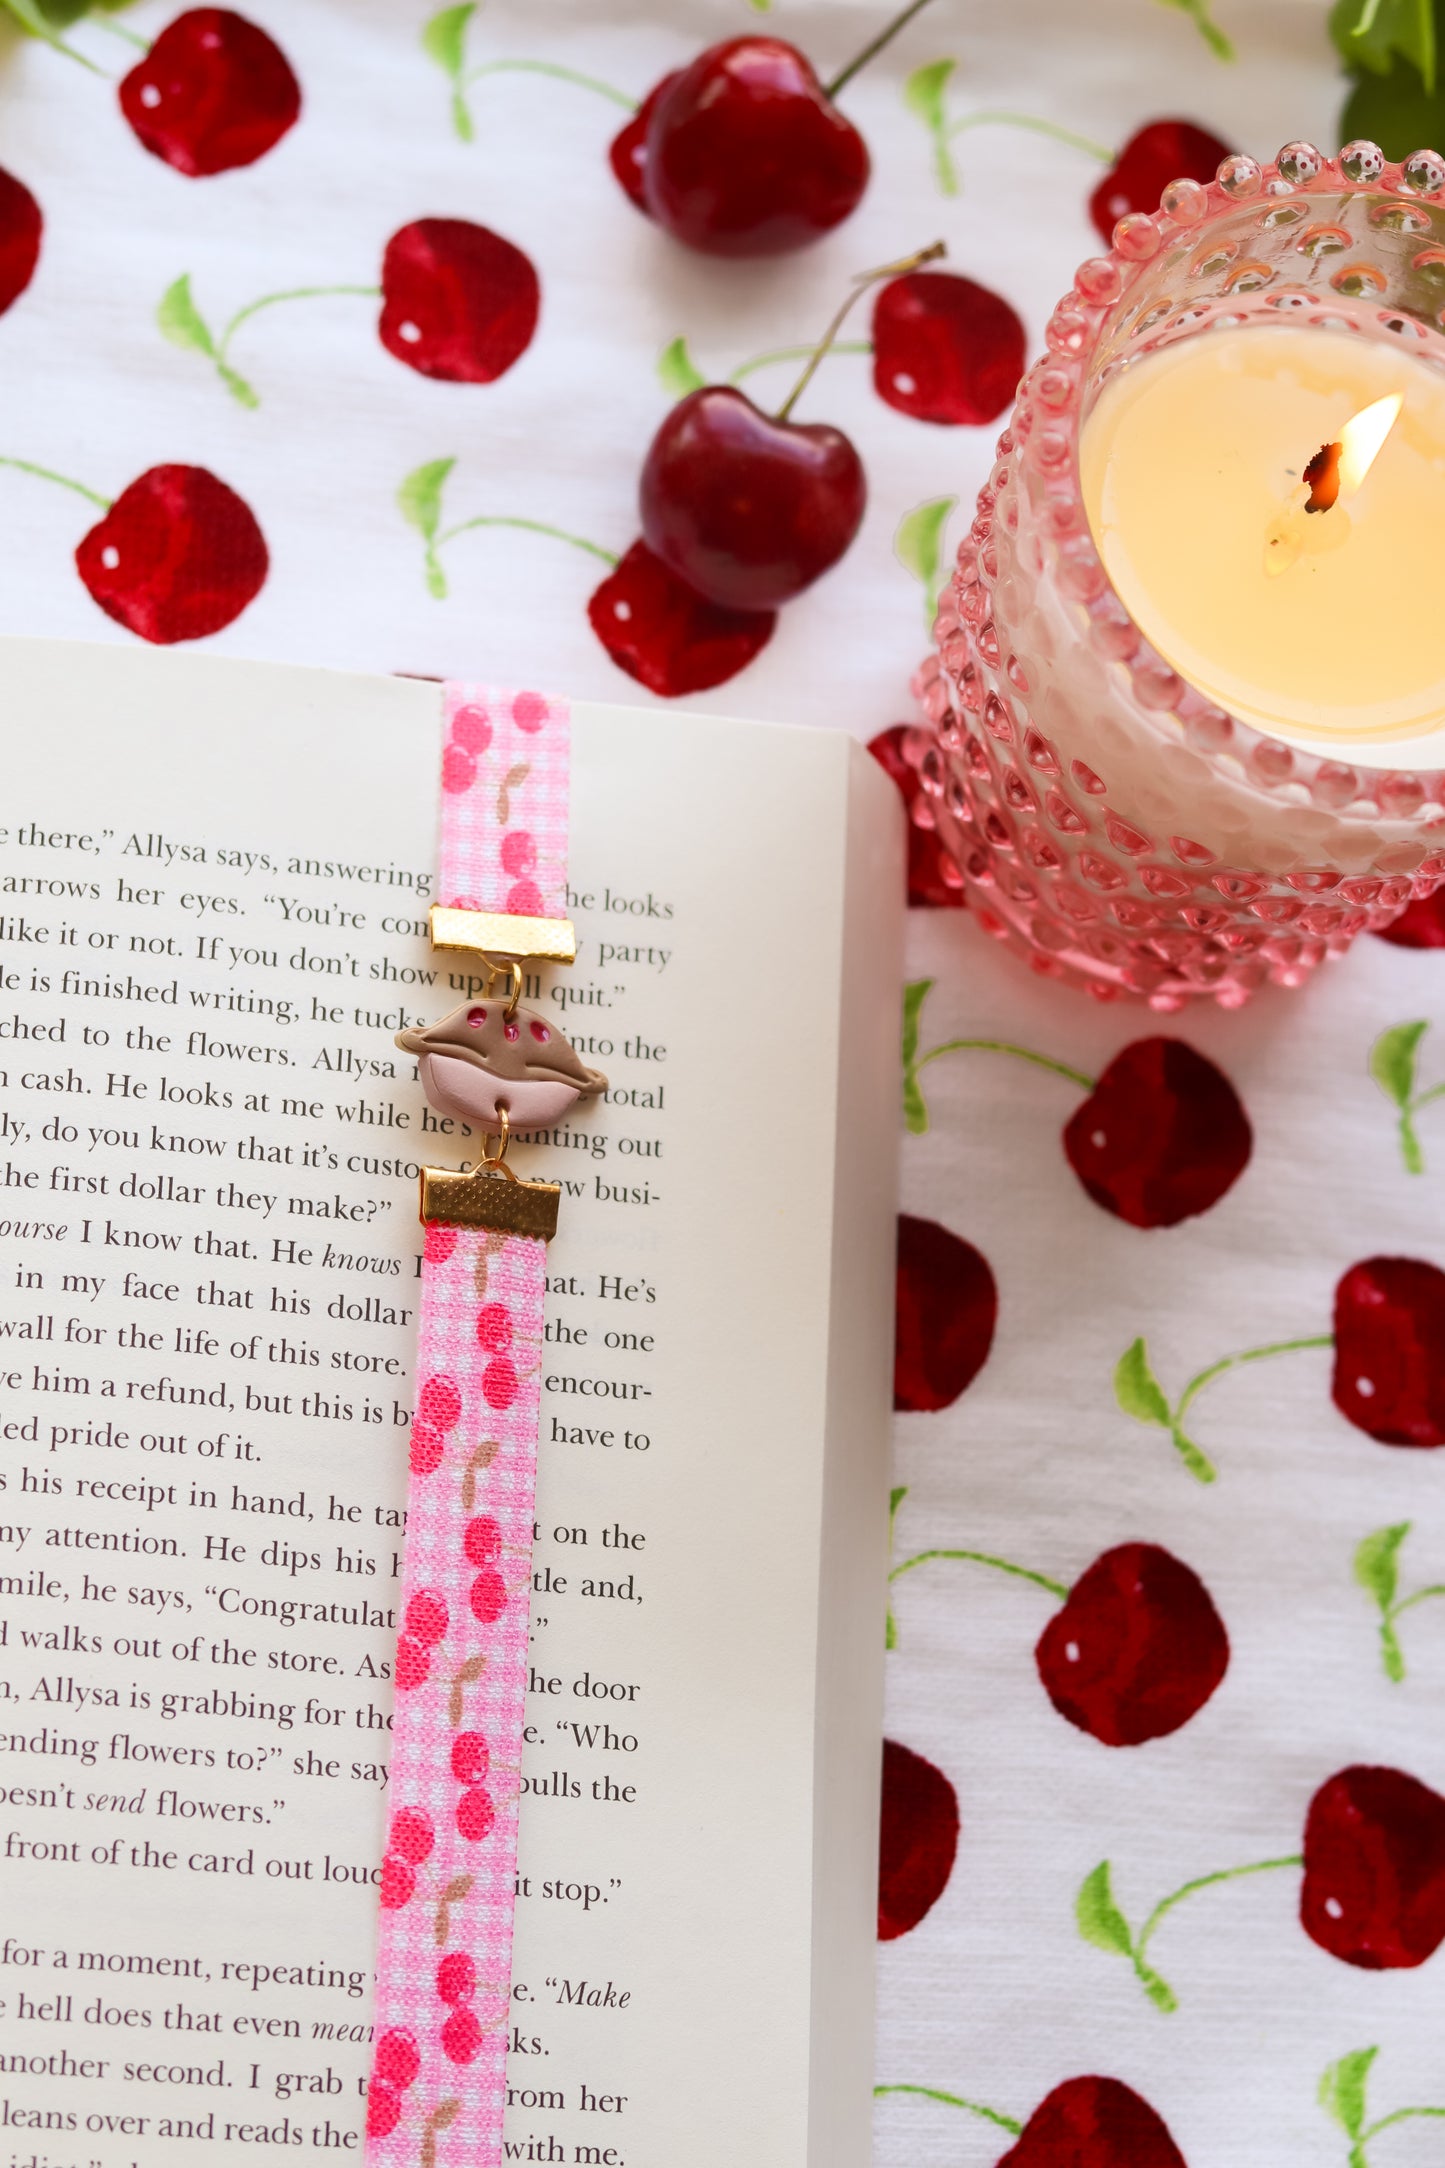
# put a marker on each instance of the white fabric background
(993, 1995)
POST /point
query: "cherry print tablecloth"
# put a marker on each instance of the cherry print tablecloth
(1110, 1679)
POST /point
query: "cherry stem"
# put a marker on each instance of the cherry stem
(1410, 1148)
(796, 353)
(291, 293)
(985, 1558)
(1421, 1595)
(1250, 1355)
(973, 2107)
(1021, 1053)
(874, 47)
(436, 578)
(551, 67)
(1031, 121)
(118, 30)
(1401, 2115)
(48, 474)
(1158, 1989)
(861, 284)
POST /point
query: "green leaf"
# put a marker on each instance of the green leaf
(677, 372)
(420, 495)
(1204, 23)
(918, 543)
(925, 90)
(444, 38)
(1342, 2090)
(1371, 34)
(1136, 1388)
(1099, 1919)
(1377, 1564)
(896, 1498)
(1395, 110)
(1392, 1061)
(179, 320)
(914, 996)
(46, 21)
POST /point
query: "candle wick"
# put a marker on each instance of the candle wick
(1323, 476)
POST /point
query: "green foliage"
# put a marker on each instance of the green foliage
(419, 500)
(918, 546)
(1204, 23)
(1370, 35)
(677, 372)
(1391, 48)
(1342, 2090)
(1099, 1919)
(444, 38)
(925, 90)
(1377, 1563)
(179, 320)
(1392, 1061)
(1136, 1388)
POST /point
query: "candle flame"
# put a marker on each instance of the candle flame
(1362, 439)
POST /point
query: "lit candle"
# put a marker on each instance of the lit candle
(1268, 503)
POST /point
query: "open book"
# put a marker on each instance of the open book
(214, 879)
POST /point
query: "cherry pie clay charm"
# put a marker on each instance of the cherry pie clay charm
(481, 1059)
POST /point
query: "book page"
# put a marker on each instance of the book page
(213, 891)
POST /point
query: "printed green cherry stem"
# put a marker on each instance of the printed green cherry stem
(1139, 1393)
(444, 39)
(1101, 1922)
(679, 374)
(419, 500)
(895, 1500)
(955, 2100)
(915, 1107)
(63, 481)
(179, 320)
(926, 93)
(1393, 1065)
(31, 17)
(1377, 1571)
(1343, 2092)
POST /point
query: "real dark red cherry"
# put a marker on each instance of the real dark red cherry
(627, 152)
(1162, 1135)
(457, 300)
(20, 230)
(917, 1842)
(946, 1310)
(945, 349)
(178, 555)
(749, 510)
(1137, 1649)
(1161, 152)
(1374, 1879)
(1420, 925)
(1389, 1373)
(745, 154)
(1094, 2123)
(934, 882)
(214, 92)
(667, 636)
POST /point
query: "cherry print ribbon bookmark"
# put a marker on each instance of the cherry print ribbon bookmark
(447, 1893)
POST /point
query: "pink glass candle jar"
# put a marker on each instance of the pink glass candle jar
(1105, 816)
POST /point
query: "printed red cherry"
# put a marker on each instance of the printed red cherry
(1094, 2123)
(461, 2037)
(934, 882)
(476, 1813)
(383, 2109)
(483, 1539)
(177, 556)
(666, 635)
(213, 92)
(1420, 925)
(427, 1447)
(440, 1403)
(945, 349)
(440, 1241)
(1162, 1135)
(946, 1310)
(412, 1834)
(1389, 1372)
(500, 1383)
(489, 1596)
(458, 301)
(1137, 1649)
(427, 1617)
(1161, 152)
(1374, 1879)
(627, 152)
(396, 1885)
(396, 2060)
(471, 1757)
(20, 230)
(494, 1327)
(456, 1977)
(413, 1663)
(747, 507)
(917, 1841)
(745, 153)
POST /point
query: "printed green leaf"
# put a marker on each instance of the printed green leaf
(45, 20)
(1371, 34)
(419, 498)
(1204, 23)
(918, 543)
(1099, 1918)
(677, 372)
(1392, 1061)
(444, 38)
(895, 1499)
(1342, 2090)
(914, 996)
(179, 320)
(1136, 1388)
(1377, 1564)
(925, 90)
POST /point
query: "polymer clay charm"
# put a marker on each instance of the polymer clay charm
(485, 1056)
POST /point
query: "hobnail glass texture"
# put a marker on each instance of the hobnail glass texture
(1102, 816)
